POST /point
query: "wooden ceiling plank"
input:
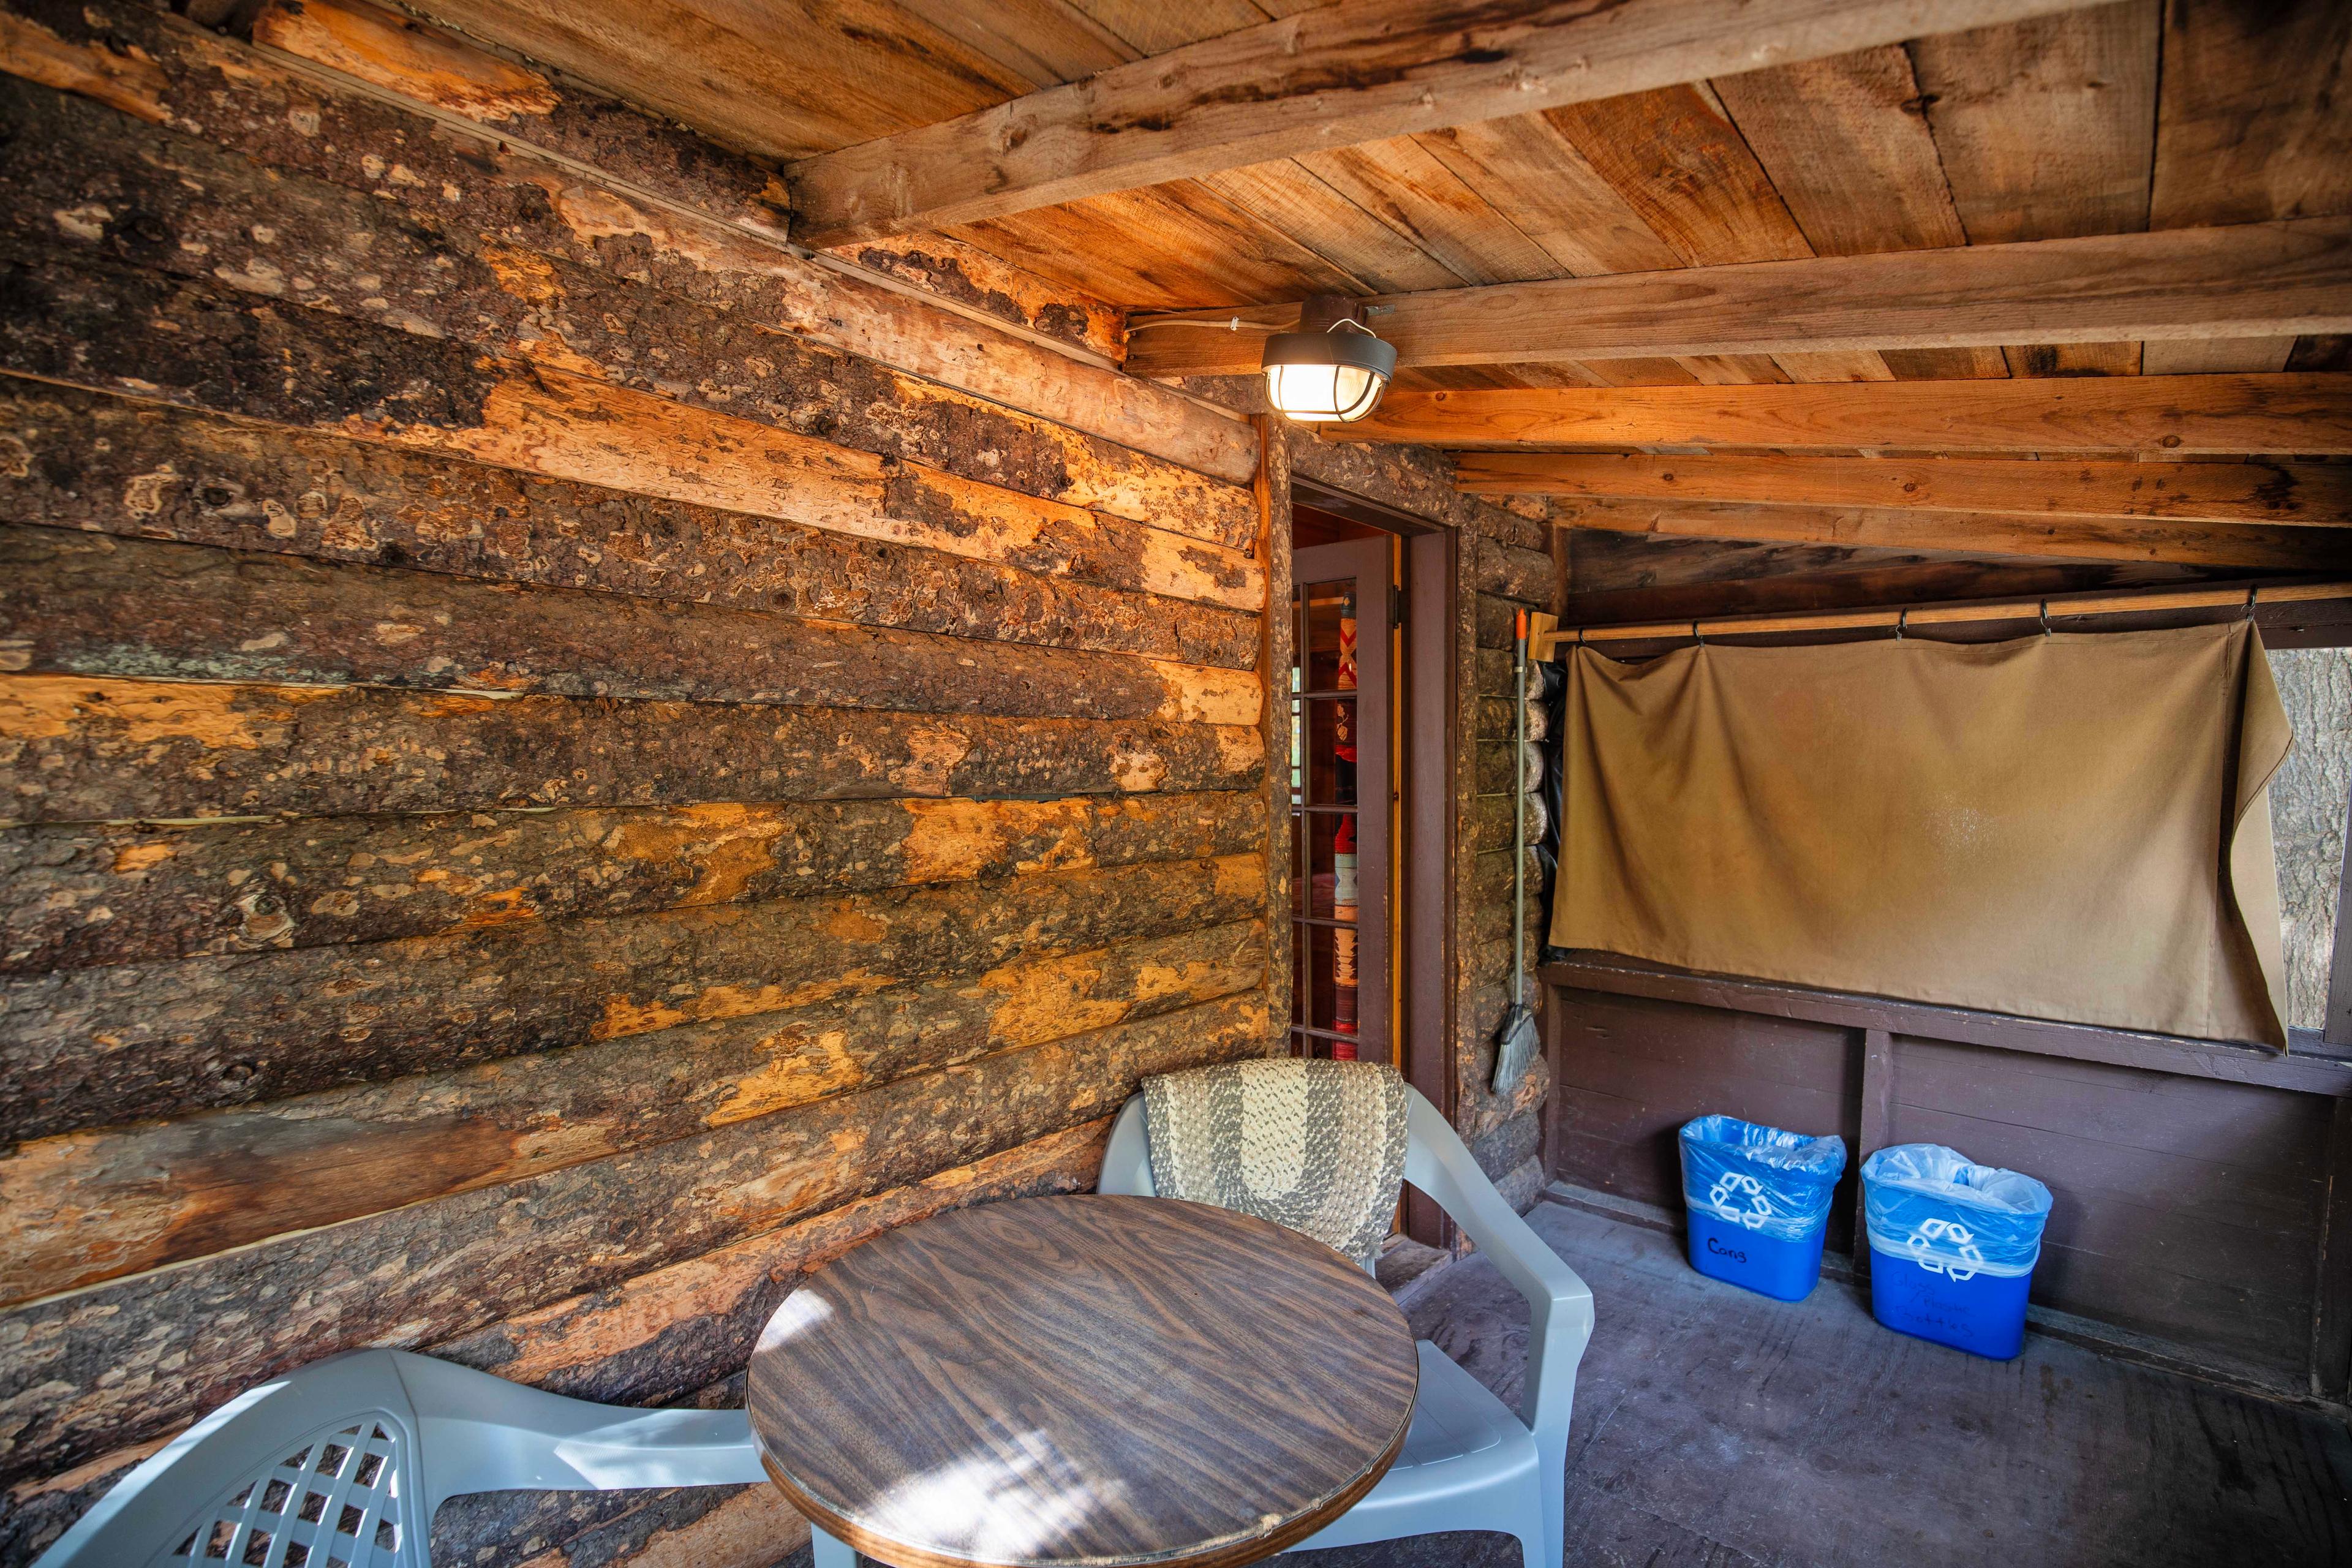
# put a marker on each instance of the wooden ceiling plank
(2267, 548)
(1363, 71)
(1154, 27)
(1845, 143)
(2215, 356)
(1170, 247)
(1042, 42)
(2247, 280)
(1429, 206)
(1301, 204)
(2280, 414)
(2285, 494)
(1677, 160)
(1527, 167)
(783, 81)
(2047, 130)
(2252, 126)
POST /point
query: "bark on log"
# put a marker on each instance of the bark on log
(1528, 576)
(673, 1329)
(100, 183)
(89, 1207)
(230, 616)
(88, 894)
(158, 67)
(89, 460)
(206, 346)
(99, 750)
(89, 1372)
(88, 1048)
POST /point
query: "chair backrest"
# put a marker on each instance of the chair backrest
(1435, 1159)
(342, 1464)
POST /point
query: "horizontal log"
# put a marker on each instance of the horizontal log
(113, 465)
(1511, 572)
(1362, 71)
(119, 1362)
(97, 749)
(93, 180)
(2185, 415)
(2262, 280)
(89, 1207)
(967, 275)
(207, 614)
(88, 1047)
(2297, 549)
(88, 894)
(672, 1330)
(301, 120)
(2288, 494)
(203, 345)
(708, 1527)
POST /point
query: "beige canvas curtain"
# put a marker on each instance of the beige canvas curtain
(2071, 826)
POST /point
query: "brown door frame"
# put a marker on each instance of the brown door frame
(1425, 750)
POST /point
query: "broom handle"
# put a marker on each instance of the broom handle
(1520, 818)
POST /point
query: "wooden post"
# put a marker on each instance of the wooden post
(1877, 1126)
(2331, 1312)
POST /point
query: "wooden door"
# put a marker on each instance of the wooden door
(1341, 792)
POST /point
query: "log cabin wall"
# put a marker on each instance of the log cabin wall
(567, 762)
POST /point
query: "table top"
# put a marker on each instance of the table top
(1108, 1380)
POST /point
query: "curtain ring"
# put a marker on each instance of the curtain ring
(2045, 617)
(2250, 600)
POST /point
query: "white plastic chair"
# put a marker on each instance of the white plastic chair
(342, 1463)
(1467, 1462)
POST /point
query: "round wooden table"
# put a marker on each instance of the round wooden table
(1106, 1380)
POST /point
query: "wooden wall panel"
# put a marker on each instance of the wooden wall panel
(1631, 1072)
(564, 762)
(2184, 1210)
(2188, 1207)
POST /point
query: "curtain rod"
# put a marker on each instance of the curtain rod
(1548, 643)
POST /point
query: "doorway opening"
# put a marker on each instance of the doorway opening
(1371, 778)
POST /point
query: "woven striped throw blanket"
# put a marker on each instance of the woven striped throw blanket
(1316, 1145)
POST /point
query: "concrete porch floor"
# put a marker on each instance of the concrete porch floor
(1715, 1429)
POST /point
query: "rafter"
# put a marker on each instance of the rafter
(2310, 494)
(2180, 415)
(2258, 280)
(1328, 78)
(2255, 547)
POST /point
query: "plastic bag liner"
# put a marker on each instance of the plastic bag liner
(1928, 1204)
(1774, 1183)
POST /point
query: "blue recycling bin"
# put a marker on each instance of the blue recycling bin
(1952, 1247)
(1758, 1201)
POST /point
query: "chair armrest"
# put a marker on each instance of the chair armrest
(1559, 1303)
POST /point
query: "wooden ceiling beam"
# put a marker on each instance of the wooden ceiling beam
(1360, 71)
(2255, 280)
(2281, 415)
(2288, 495)
(2254, 548)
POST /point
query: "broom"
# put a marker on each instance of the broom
(1515, 1040)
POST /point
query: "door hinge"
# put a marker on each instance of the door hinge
(1396, 606)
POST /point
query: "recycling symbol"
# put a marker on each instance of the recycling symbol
(1954, 1237)
(1726, 1190)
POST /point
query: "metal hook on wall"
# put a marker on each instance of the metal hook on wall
(2045, 617)
(1902, 619)
(1698, 636)
(2250, 594)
